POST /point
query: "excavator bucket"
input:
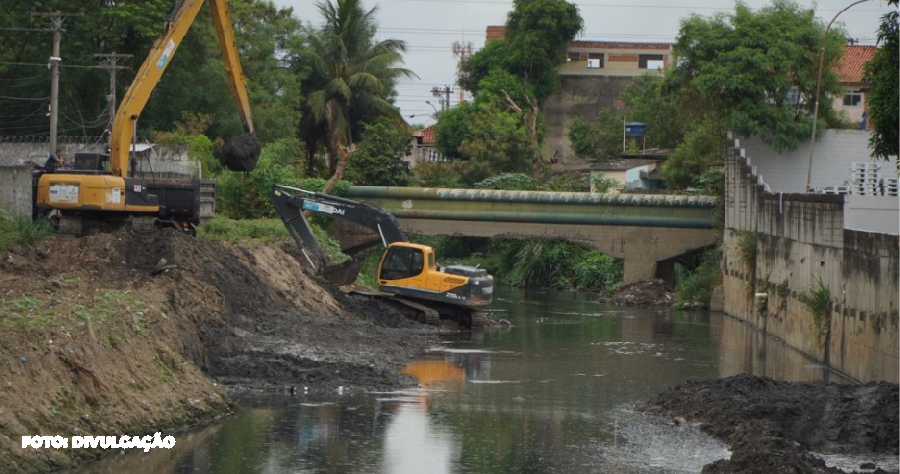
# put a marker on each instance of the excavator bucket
(342, 273)
(241, 153)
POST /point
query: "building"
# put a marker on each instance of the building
(599, 58)
(423, 149)
(850, 70)
(603, 58)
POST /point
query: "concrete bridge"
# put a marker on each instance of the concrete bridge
(649, 231)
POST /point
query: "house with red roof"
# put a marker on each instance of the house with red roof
(423, 149)
(850, 69)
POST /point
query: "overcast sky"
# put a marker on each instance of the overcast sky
(430, 28)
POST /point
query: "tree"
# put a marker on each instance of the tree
(600, 140)
(351, 80)
(882, 73)
(378, 158)
(518, 73)
(759, 69)
(539, 33)
(703, 149)
(667, 113)
(484, 140)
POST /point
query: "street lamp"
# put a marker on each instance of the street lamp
(433, 107)
(812, 147)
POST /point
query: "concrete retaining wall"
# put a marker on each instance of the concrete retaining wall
(578, 97)
(799, 241)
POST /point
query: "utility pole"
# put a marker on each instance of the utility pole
(109, 62)
(443, 95)
(56, 18)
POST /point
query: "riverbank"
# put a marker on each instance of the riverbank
(775, 426)
(118, 334)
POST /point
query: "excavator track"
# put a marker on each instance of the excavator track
(425, 315)
(142, 224)
(70, 225)
(411, 309)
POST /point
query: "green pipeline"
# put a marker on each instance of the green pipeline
(558, 218)
(487, 195)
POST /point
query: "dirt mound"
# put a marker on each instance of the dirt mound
(121, 333)
(654, 292)
(772, 426)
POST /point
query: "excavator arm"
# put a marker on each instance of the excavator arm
(240, 154)
(293, 203)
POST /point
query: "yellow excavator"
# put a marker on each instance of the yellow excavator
(409, 276)
(100, 191)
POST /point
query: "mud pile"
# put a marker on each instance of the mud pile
(654, 292)
(774, 426)
(123, 334)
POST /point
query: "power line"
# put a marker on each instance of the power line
(23, 98)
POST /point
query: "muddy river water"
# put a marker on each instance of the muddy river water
(552, 394)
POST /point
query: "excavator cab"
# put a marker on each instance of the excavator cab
(401, 262)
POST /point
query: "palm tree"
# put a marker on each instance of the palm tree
(351, 81)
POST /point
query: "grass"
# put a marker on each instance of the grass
(17, 230)
(28, 312)
(243, 230)
(746, 247)
(817, 300)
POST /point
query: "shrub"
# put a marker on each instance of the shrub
(697, 286)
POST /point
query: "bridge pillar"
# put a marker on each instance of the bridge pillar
(637, 269)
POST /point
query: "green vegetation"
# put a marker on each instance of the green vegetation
(697, 286)
(32, 312)
(746, 247)
(817, 300)
(600, 140)
(242, 230)
(883, 72)
(16, 230)
(350, 81)
(509, 80)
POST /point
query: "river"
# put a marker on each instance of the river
(554, 393)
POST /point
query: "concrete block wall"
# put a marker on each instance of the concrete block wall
(15, 189)
(801, 240)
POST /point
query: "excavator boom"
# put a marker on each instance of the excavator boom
(151, 71)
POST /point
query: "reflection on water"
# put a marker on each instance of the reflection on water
(552, 394)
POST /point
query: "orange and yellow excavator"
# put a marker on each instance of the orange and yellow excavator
(100, 191)
(409, 276)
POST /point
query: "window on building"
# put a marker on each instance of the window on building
(595, 61)
(792, 97)
(434, 155)
(650, 61)
(573, 56)
(852, 98)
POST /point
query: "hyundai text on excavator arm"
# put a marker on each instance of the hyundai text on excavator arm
(408, 274)
(100, 190)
